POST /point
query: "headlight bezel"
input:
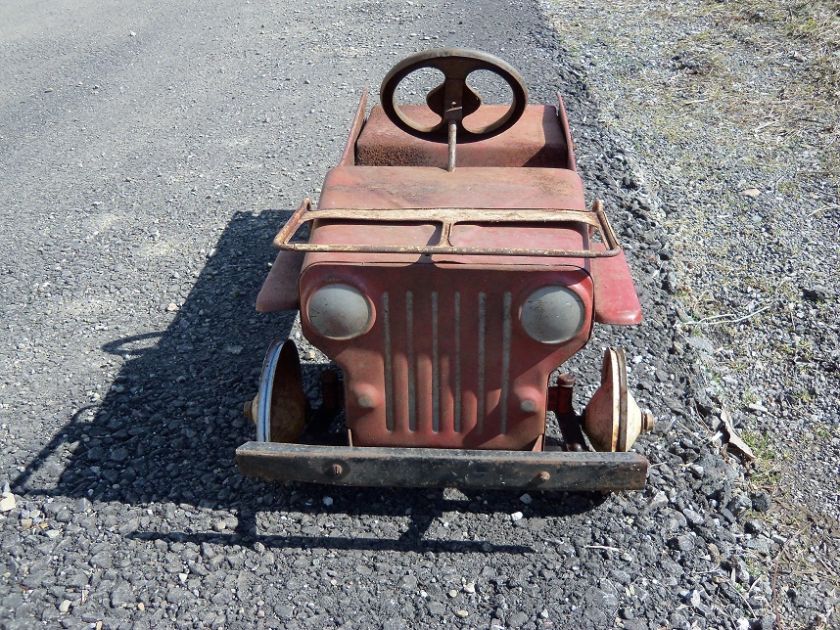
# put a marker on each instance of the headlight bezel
(533, 306)
(322, 329)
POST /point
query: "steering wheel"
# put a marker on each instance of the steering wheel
(453, 100)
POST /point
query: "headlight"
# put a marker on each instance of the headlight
(339, 311)
(552, 314)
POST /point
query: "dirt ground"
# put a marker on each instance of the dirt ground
(730, 111)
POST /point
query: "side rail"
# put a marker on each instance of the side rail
(595, 218)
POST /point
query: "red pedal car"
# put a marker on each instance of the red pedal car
(451, 267)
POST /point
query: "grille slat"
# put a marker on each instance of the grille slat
(505, 384)
(435, 366)
(389, 374)
(481, 396)
(412, 368)
(457, 393)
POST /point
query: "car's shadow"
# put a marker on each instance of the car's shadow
(167, 429)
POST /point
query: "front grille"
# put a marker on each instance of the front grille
(452, 351)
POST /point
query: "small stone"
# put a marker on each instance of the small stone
(753, 526)
(453, 593)
(64, 606)
(132, 34)
(171, 307)
(527, 499)
(761, 545)
(659, 500)
(7, 503)
(233, 349)
(53, 534)
(701, 344)
(694, 599)
(682, 543)
(544, 613)
(760, 501)
(119, 455)
(176, 595)
(26, 523)
(101, 560)
(219, 526)
(463, 614)
(469, 587)
(752, 193)
(517, 620)
(516, 516)
(409, 582)
(121, 596)
(328, 501)
(739, 504)
(815, 294)
(141, 606)
(695, 518)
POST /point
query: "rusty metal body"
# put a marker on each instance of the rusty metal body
(445, 260)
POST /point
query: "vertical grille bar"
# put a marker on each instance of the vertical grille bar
(457, 361)
(389, 376)
(435, 366)
(482, 332)
(412, 368)
(506, 332)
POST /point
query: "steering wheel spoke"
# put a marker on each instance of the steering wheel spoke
(453, 100)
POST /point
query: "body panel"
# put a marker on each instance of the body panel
(446, 362)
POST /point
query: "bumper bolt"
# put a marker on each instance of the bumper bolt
(336, 470)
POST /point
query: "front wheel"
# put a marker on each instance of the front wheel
(280, 408)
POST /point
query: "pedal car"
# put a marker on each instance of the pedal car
(451, 267)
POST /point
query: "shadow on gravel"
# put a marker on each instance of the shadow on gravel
(168, 427)
(424, 508)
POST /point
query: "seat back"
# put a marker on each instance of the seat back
(536, 140)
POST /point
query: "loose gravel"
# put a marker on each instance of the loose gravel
(143, 148)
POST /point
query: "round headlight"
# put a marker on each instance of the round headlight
(552, 314)
(339, 311)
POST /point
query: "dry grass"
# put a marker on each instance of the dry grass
(736, 88)
(799, 42)
(812, 26)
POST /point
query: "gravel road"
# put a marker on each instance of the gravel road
(149, 154)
